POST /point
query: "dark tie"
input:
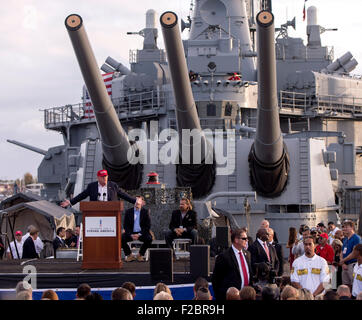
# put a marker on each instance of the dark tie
(267, 250)
(243, 268)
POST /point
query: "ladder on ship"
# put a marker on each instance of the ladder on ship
(80, 243)
(89, 162)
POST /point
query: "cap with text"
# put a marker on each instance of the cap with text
(102, 173)
(18, 233)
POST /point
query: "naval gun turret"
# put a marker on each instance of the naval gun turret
(268, 158)
(117, 149)
(197, 167)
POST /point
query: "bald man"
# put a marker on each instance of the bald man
(344, 292)
(266, 225)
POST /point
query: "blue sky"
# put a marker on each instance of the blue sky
(39, 68)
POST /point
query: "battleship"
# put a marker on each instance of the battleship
(315, 122)
(243, 119)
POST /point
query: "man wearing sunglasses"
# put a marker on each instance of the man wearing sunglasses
(232, 267)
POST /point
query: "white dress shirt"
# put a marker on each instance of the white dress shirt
(102, 190)
(262, 244)
(19, 245)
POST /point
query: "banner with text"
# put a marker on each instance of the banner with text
(100, 226)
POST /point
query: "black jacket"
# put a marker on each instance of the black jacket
(279, 251)
(189, 221)
(2, 248)
(112, 191)
(226, 273)
(69, 241)
(145, 221)
(258, 255)
(29, 251)
(57, 243)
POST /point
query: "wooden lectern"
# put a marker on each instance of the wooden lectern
(101, 234)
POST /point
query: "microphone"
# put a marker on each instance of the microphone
(104, 197)
(99, 196)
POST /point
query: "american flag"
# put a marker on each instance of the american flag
(88, 107)
(304, 10)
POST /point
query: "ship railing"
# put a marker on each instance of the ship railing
(134, 56)
(320, 104)
(206, 123)
(293, 100)
(339, 104)
(130, 106)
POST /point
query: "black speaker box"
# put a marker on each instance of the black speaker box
(200, 261)
(223, 236)
(161, 264)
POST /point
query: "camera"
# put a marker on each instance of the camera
(265, 272)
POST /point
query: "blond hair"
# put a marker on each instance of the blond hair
(163, 296)
(188, 202)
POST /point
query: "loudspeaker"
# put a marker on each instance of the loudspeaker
(161, 264)
(222, 236)
(200, 261)
(213, 12)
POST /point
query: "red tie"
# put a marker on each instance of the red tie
(243, 267)
(267, 250)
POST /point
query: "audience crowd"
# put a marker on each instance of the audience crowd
(324, 263)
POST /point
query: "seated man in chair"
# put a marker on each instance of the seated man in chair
(183, 223)
(137, 225)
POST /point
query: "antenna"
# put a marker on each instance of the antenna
(283, 31)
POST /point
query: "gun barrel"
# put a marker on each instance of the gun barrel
(29, 147)
(186, 113)
(268, 157)
(268, 141)
(197, 167)
(115, 142)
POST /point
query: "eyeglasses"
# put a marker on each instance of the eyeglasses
(243, 238)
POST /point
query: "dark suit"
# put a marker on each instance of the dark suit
(58, 243)
(69, 241)
(128, 224)
(2, 248)
(258, 255)
(279, 251)
(29, 251)
(189, 222)
(112, 191)
(226, 273)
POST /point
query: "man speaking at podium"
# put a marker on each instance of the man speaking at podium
(101, 190)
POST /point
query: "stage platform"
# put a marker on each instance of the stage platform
(67, 273)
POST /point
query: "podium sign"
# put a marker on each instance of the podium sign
(101, 234)
(100, 226)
